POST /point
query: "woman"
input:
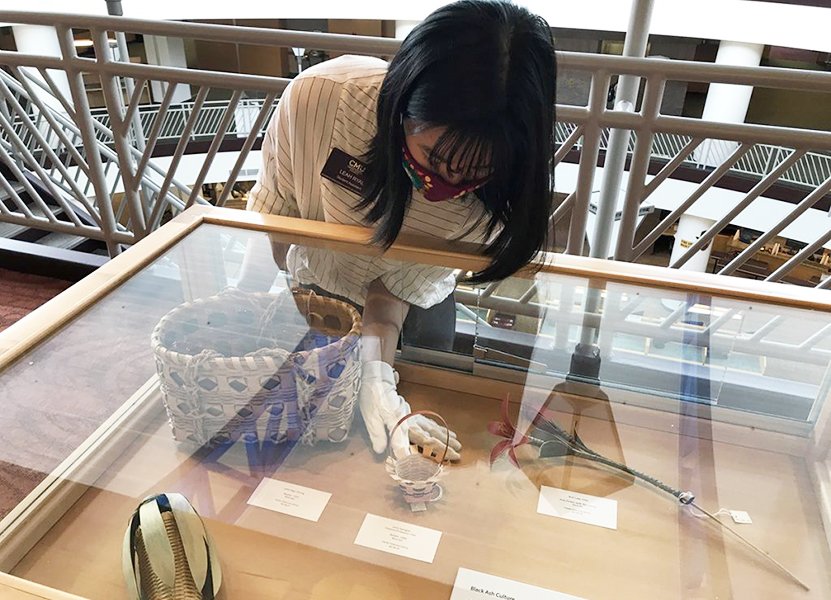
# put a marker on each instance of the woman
(452, 139)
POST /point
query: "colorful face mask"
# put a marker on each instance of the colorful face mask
(432, 186)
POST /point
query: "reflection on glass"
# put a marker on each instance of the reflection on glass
(762, 359)
(603, 352)
(213, 370)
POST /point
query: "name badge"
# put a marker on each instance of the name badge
(345, 170)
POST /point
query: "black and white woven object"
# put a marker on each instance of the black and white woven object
(167, 554)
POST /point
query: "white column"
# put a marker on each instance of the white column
(727, 103)
(403, 28)
(43, 41)
(690, 228)
(167, 52)
(645, 208)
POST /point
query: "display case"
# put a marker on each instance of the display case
(627, 431)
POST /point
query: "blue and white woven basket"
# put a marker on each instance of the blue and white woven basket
(259, 367)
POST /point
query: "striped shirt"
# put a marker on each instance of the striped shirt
(333, 105)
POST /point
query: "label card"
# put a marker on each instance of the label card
(472, 585)
(397, 537)
(290, 499)
(577, 507)
(742, 517)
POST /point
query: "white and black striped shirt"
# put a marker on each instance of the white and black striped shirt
(333, 105)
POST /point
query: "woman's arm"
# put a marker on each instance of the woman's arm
(383, 318)
(379, 401)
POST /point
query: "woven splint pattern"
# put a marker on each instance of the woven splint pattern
(152, 587)
(167, 554)
(259, 367)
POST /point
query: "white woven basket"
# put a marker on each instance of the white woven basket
(259, 367)
(417, 475)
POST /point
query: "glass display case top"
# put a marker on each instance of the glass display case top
(617, 439)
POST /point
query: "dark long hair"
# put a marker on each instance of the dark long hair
(486, 71)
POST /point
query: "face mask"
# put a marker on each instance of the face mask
(431, 185)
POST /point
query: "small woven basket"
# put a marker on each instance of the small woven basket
(417, 475)
(259, 367)
(167, 554)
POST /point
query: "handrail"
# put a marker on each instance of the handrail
(356, 44)
(59, 176)
(105, 135)
(773, 154)
(207, 122)
(811, 170)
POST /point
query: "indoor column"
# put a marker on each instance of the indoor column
(690, 228)
(403, 28)
(43, 41)
(167, 52)
(727, 103)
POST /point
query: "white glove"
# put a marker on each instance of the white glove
(430, 436)
(382, 407)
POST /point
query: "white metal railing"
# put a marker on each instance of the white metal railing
(810, 171)
(50, 187)
(773, 154)
(208, 119)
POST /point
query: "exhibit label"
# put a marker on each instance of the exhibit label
(577, 507)
(472, 585)
(290, 499)
(398, 537)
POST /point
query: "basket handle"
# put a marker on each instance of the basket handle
(426, 413)
(309, 316)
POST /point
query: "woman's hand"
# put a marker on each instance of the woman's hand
(430, 437)
(378, 398)
(382, 407)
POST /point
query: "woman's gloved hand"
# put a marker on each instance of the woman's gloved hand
(382, 407)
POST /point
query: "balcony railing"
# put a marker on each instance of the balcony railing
(44, 151)
(207, 121)
(761, 160)
(809, 171)
(120, 142)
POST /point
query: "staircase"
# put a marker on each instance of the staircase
(64, 198)
(36, 230)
